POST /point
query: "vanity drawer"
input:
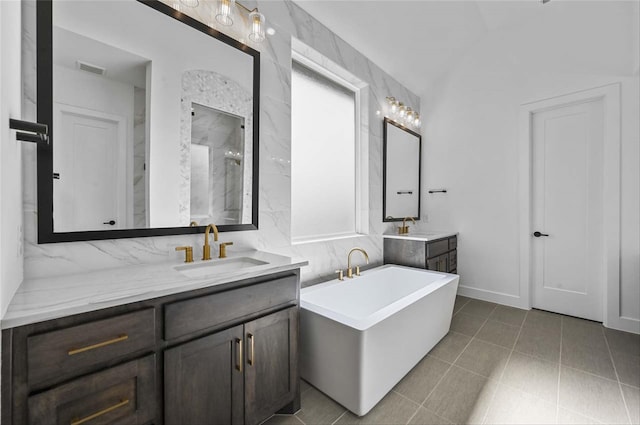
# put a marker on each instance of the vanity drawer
(79, 349)
(121, 394)
(196, 314)
(453, 242)
(437, 247)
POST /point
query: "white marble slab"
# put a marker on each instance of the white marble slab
(50, 298)
(421, 236)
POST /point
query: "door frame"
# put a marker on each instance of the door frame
(610, 96)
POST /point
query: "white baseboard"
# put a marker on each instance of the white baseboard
(492, 296)
(627, 324)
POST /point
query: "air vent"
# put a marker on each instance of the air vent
(94, 69)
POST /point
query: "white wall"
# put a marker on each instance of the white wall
(11, 262)
(471, 136)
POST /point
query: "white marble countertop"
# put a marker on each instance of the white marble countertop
(42, 299)
(421, 235)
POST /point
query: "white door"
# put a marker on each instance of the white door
(88, 157)
(568, 246)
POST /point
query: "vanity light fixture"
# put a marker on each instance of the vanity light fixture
(224, 15)
(402, 114)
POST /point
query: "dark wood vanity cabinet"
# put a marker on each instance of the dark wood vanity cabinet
(219, 355)
(239, 375)
(439, 255)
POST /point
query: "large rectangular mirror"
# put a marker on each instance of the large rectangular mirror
(402, 164)
(153, 122)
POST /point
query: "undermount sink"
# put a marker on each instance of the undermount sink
(218, 266)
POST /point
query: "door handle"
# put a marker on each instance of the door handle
(110, 222)
(538, 234)
(250, 355)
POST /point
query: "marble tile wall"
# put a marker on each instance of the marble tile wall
(289, 21)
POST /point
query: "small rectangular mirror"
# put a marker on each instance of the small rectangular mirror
(402, 165)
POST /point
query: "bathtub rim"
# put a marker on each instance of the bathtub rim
(362, 324)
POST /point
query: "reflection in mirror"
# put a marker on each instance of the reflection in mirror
(151, 121)
(402, 169)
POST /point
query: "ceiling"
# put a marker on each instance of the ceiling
(418, 41)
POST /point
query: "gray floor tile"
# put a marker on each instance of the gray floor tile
(392, 409)
(459, 303)
(539, 342)
(450, 347)
(498, 333)
(509, 315)
(623, 341)
(317, 408)
(587, 358)
(511, 406)
(583, 332)
(425, 417)
(461, 396)
(632, 399)
(591, 395)
(485, 359)
(628, 368)
(478, 308)
(543, 320)
(532, 375)
(282, 420)
(567, 417)
(466, 324)
(422, 379)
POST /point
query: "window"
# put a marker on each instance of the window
(326, 155)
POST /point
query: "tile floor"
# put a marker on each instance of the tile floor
(501, 365)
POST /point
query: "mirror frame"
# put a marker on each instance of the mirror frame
(44, 62)
(386, 122)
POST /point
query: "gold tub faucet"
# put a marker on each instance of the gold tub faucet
(206, 248)
(349, 269)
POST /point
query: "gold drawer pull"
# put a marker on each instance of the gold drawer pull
(100, 413)
(98, 345)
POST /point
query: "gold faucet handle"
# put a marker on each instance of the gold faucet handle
(223, 249)
(340, 274)
(357, 270)
(188, 253)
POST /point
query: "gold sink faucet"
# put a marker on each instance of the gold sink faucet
(206, 248)
(188, 253)
(349, 269)
(223, 249)
(405, 229)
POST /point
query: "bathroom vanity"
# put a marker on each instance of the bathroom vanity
(219, 348)
(433, 251)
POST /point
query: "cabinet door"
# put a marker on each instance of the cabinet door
(271, 375)
(203, 380)
(440, 263)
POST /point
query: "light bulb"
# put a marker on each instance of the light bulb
(416, 120)
(224, 12)
(256, 20)
(410, 115)
(401, 110)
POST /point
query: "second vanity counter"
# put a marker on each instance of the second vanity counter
(49, 298)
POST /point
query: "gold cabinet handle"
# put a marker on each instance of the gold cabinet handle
(120, 338)
(250, 358)
(100, 413)
(239, 364)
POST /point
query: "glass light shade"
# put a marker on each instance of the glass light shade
(417, 121)
(401, 110)
(190, 3)
(224, 12)
(410, 115)
(256, 22)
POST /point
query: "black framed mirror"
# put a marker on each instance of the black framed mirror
(153, 120)
(401, 168)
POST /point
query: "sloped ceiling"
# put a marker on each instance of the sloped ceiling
(419, 41)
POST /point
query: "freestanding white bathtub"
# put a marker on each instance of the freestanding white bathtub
(359, 337)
